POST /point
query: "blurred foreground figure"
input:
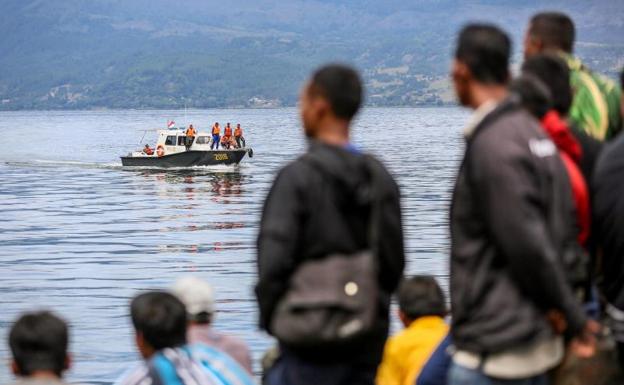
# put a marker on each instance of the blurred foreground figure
(595, 108)
(38, 344)
(422, 309)
(509, 227)
(330, 248)
(608, 203)
(552, 73)
(594, 112)
(198, 297)
(159, 321)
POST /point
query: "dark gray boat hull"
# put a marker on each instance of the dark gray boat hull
(187, 159)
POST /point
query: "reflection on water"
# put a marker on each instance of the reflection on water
(81, 235)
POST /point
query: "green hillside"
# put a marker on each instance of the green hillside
(203, 53)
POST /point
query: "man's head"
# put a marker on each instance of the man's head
(159, 321)
(330, 99)
(420, 296)
(198, 298)
(238, 125)
(549, 31)
(147, 146)
(481, 62)
(39, 343)
(533, 93)
(228, 124)
(553, 72)
(216, 124)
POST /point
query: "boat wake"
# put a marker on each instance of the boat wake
(117, 166)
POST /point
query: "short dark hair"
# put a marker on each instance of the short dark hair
(38, 342)
(485, 49)
(554, 73)
(533, 94)
(161, 318)
(341, 86)
(421, 296)
(554, 29)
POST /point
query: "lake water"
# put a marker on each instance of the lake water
(81, 235)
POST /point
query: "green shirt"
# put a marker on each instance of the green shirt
(596, 105)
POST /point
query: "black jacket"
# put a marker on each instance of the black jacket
(608, 219)
(510, 228)
(311, 211)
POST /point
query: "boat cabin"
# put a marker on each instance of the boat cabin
(174, 140)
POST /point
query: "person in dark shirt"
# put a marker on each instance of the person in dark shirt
(509, 225)
(316, 207)
(608, 229)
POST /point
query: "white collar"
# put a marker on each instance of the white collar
(478, 115)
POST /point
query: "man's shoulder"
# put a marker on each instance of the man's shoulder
(511, 129)
(229, 340)
(609, 160)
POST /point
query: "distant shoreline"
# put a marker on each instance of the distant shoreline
(446, 105)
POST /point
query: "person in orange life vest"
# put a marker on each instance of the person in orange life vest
(238, 136)
(216, 136)
(190, 137)
(226, 140)
(148, 150)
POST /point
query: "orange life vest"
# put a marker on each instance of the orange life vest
(238, 132)
(228, 131)
(190, 131)
(216, 130)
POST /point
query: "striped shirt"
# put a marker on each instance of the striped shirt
(187, 365)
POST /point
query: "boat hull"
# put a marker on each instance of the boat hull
(187, 159)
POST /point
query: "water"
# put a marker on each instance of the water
(81, 235)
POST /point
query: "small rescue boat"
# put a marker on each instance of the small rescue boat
(171, 151)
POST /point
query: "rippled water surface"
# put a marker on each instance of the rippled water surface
(81, 235)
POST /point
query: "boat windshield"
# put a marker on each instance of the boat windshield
(170, 141)
(202, 140)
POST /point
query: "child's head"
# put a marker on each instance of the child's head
(420, 296)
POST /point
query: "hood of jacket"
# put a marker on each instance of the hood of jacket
(559, 131)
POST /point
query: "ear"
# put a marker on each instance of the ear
(321, 107)
(461, 72)
(14, 368)
(405, 320)
(68, 362)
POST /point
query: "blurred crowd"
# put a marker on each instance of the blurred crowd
(536, 259)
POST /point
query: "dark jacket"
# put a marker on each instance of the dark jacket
(608, 219)
(511, 227)
(313, 210)
(435, 370)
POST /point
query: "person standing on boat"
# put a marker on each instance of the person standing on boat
(216, 136)
(226, 140)
(190, 137)
(238, 136)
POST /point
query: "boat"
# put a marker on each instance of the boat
(171, 151)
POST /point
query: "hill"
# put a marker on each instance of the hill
(206, 53)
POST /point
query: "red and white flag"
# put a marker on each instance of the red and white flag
(170, 124)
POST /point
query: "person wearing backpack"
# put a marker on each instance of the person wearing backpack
(330, 246)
